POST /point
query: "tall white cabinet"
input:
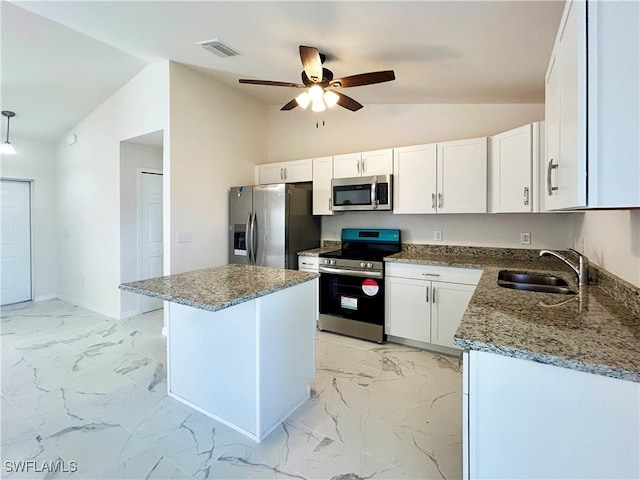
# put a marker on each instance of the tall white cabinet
(591, 103)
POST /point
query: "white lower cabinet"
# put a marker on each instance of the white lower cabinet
(426, 303)
(309, 263)
(523, 419)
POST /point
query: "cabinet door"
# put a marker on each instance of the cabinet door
(407, 305)
(322, 175)
(298, 171)
(462, 176)
(552, 126)
(270, 173)
(414, 179)
(378, 162)
(511, 168)
(448, 303)
(345, 166)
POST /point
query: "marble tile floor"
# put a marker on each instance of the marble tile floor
(84, 396)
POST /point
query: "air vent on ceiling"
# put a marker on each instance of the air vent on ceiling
(219, 48)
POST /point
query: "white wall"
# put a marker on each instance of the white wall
(89, 189)
(217, 137)
(548, 230)
(611, 239)
(36, 161)
(133, 157)
(293, 134)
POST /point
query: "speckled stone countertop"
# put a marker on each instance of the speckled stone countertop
(218, 288)
(315, 252)
(591, 331)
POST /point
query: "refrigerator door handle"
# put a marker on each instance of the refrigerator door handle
(254, 238)
(247, 238)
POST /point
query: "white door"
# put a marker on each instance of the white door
(150, 233)
(16, 241)
(322, 175)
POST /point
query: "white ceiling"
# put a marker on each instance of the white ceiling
(61, 59)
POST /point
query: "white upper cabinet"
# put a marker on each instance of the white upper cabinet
(377, 162)
(514, 170)
(414, 177)
(592, 124)
(462, 176)
(448, 177)
(284, 172)
(322, 175)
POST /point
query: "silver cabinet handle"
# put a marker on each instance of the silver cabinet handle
(285, 173)
(550, 188)
(281, 173)
(439, 200)
(427, 274)
(433, 201)
(526, 196)
(364, 165)
(433, 295)
(358, 165)
(374, 186)
(427, 295)
(330, 205)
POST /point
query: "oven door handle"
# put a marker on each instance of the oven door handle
(350, 273)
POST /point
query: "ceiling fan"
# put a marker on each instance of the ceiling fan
(320, 84)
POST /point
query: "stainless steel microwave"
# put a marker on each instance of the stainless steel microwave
(362, 193)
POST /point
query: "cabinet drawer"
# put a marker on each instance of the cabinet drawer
(469, 276)
(308, 263)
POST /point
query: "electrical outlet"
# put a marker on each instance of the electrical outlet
(525, 238)
(437, 235)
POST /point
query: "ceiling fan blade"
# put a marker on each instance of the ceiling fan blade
(291, 105)
(311, 63)
(348, 102)
(364, 79)
(271, 83)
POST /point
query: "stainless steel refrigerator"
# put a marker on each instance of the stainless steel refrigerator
(270, 224)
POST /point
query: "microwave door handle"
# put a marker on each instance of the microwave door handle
(374, 187)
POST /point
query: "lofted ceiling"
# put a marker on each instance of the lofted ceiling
(61, 59)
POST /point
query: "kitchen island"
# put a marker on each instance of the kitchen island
(240, 342)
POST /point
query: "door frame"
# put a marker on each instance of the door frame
(32, 281)
(139, 173)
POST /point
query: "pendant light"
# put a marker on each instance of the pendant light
(6, 148)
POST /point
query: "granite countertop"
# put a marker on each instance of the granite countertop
(218, 288)
(590, 331)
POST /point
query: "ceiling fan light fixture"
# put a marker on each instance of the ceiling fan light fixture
(316, 92)
(330, 98)
(303, 99)
(6, 148)
(318, 106)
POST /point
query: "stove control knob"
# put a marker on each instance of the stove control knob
(333, 262)
(363, 264)
(369, 265)
(326, 261)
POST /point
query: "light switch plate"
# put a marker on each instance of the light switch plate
(525, 238)
(437, 235)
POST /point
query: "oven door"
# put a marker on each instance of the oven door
(352, 297)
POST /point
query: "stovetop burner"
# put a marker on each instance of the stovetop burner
(370, 245)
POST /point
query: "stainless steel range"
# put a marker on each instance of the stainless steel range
(352, 283)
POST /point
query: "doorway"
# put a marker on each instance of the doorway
(15, 232)
(150, 246)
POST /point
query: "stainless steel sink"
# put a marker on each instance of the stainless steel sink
(533, 282)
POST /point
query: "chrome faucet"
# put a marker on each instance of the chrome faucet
(581, 271)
